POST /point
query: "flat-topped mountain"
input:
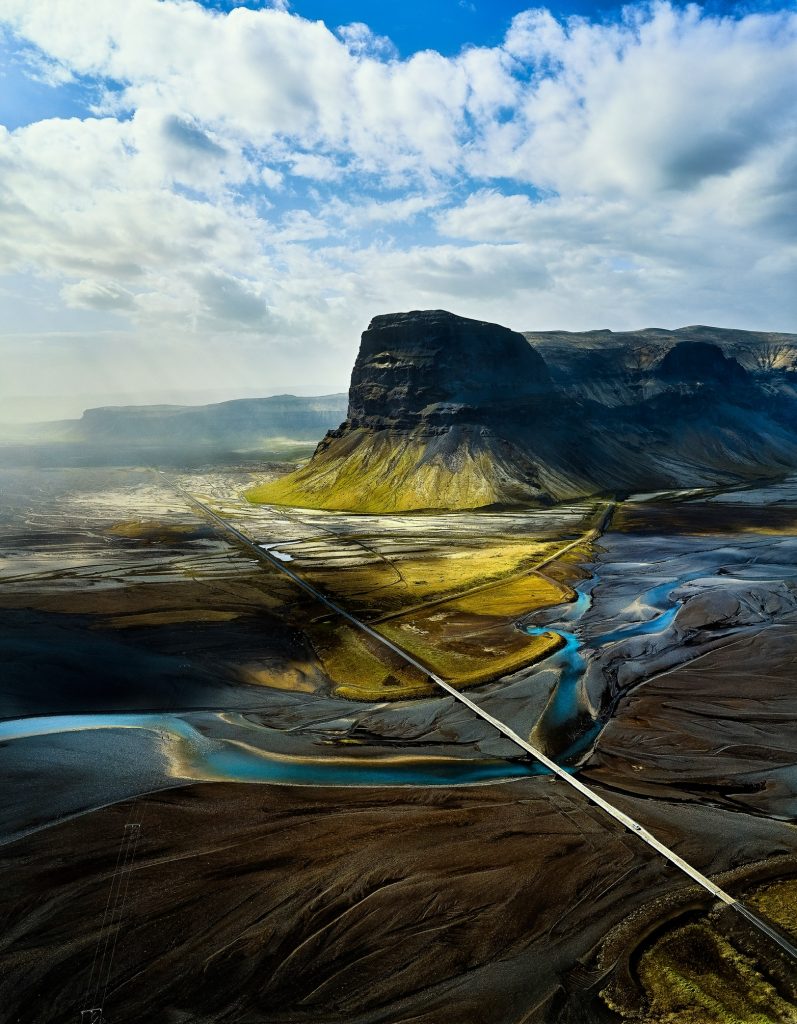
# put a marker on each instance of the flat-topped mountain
(431, 395)
(446, 412)
(431, 366)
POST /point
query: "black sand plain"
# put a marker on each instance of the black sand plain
(507, 901)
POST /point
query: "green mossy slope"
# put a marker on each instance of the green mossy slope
(366, 471)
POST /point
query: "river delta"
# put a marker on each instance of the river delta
(321, 836)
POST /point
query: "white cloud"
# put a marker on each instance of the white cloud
(579, 174)
(658, 103)
(271, 178)
(316, 167)
(387, 211)
(361, 41)
(301, 226)
(88, 294)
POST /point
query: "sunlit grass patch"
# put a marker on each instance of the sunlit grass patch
(471, 566)
(462, 647)
(168, 618)
(293, 679)
(401, 581)
(569, 567)
(473, 639)
(516, 597)
(703, 972)
(362, 669)
(383, 472)
(695, 976)
(778, 902)
(151, 531)
(468, 649)
(397, 481)
(467, 640)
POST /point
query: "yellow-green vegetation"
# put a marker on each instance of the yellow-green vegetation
(469, 649)
(517, 596)
(380, 473)
(463, 627)
(154, 532)
(570, 565)
(695, 976)
(171, 617)
(362, 669)
(473, 639)
(700, 973)
(296, 678)
(465, 567)
(423, 577)
(359, 672)
(779, 903)
(467, 640)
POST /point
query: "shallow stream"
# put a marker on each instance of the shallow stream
(563, 709)
(195, 750)
(192, 753)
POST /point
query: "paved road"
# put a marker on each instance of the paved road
(590, 794)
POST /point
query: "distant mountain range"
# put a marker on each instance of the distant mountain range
(446, 412)
(241, 423)
(614, 367)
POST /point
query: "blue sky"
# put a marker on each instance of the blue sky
(449, 25)
(24, 99)
(220, 196)
(443, 25)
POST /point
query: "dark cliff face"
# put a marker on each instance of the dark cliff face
(433, 367)
(622, 368)
(699, 362)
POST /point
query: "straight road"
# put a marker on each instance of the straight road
(614, 812)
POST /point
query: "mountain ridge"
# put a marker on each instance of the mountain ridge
(236, 422)
(422, 441)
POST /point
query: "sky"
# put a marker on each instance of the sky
(213, 199)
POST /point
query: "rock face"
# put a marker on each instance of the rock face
(619, 368)
(434, 368)
(450, 413)
(700, 362)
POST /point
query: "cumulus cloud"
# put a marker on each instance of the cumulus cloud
(360, 40)
(247, 170)
(660, 102)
